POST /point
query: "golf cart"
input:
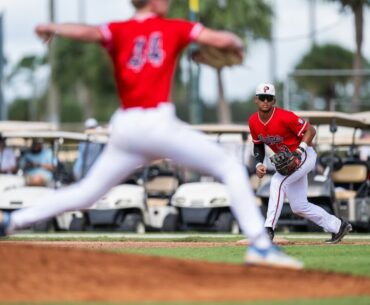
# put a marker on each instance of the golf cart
(16, 196)
(10, 181)
(203, 203)
(333, 170)
(139, 203)
(352, 182)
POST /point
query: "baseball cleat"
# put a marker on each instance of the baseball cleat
(4, 223)
(270, 233)
(345, 228)
(271, 257)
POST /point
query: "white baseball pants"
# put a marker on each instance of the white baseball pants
(139, 136)
(295, 187)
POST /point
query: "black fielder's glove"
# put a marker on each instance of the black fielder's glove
(286, 162)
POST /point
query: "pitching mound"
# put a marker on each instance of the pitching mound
(45, 273)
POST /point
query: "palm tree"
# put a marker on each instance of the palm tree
(329, 56)
(357, 7)
(53, 92)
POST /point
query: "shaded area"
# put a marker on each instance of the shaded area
(46, 273)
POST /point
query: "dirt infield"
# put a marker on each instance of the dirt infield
(67, 272)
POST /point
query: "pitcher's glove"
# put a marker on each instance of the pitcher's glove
(286, 162)
(216, 57)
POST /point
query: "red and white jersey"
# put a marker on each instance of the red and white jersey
(144, 53)
(284, 130)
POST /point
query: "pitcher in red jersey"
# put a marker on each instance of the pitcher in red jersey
(144, 51)
(282, 130)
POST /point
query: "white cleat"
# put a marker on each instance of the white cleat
(271, 257)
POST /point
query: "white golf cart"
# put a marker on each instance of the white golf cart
(9, 181)
(139, 203)
(15, 194)
(352, 181)
(203, 203)
(338, 179)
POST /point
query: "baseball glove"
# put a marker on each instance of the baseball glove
(286, 162)
(216, 57)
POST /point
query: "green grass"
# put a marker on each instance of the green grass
(354, 259)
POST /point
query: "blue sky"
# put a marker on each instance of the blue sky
(291, 29)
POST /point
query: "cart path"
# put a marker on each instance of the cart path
(48, 273)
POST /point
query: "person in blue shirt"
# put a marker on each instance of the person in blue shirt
(88, 152)
(38, 164)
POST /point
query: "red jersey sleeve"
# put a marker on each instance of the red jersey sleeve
(108, 32)
(186, 31)
(295, 123)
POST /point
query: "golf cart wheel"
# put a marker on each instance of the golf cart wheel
(43, 226)
(171, 223)
(227, 223)
(133, 223)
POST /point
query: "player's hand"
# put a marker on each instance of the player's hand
(45, 32)
(261, 170)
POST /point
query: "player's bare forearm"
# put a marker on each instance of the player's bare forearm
(221, 39)
(81, 32)
(309, 135)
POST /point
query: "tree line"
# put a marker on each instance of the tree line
(83, 78)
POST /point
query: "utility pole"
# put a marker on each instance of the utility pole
(81, 11)
(312, 21)
(53, 94)
(3, 114)
(194, 70)
(273, 56)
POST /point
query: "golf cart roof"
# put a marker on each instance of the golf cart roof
(207, 128)
(329, 117)
(6, 126)
(346, 141)
(222, 128)
(365, 115)
(47, 135)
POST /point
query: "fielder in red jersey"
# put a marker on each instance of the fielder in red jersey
(144, 51)
(282, 130)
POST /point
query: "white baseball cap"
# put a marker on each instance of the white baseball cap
(265, 88)
(91, 123)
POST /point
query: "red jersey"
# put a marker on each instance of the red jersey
(284, 130)
(144, 53)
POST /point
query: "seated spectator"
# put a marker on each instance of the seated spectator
(8, 160)
(88, 152)
(38, 164)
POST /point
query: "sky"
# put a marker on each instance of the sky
(291, 30)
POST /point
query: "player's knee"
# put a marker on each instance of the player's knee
(300, 209)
